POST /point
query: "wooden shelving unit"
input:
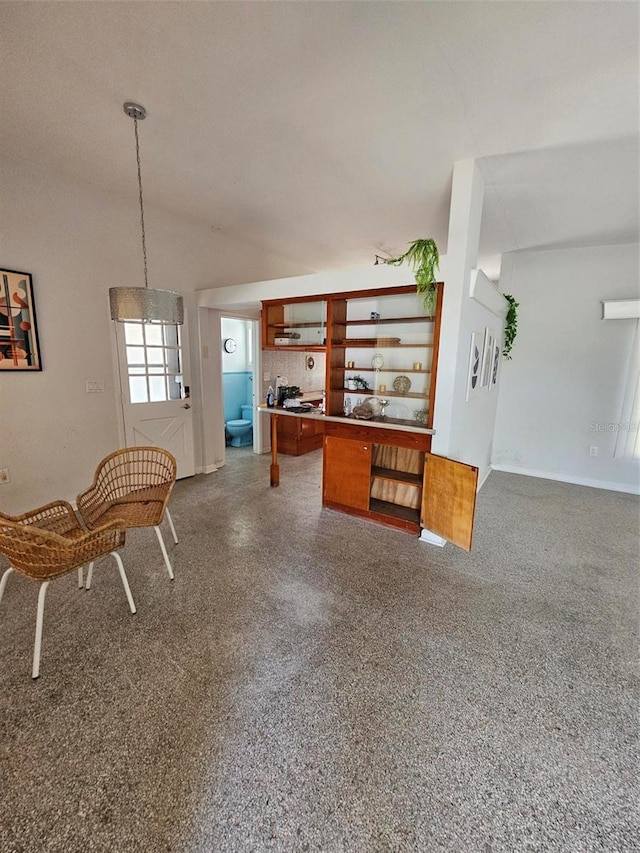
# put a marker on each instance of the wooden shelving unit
(279, 317)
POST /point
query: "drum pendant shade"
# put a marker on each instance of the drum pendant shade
(144, 304)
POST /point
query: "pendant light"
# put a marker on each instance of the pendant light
(144, 304)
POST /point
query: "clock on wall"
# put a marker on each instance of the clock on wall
(230, 345)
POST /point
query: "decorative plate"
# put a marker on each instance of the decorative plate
(377, 361)
(401, 384)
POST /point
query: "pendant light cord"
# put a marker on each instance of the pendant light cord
(144, 239)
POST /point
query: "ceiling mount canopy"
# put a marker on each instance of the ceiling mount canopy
(144, 304)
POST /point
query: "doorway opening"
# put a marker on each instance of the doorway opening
(238, 385)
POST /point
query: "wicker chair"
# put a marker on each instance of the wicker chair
(49, 542)
(132, 485)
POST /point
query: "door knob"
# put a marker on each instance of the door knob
(186, 406)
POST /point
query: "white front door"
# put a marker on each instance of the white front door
(156, 409)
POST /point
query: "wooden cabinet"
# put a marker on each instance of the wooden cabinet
(299, 435)
(294, 324)
(346, 472)
(383, 482)
(391, 477)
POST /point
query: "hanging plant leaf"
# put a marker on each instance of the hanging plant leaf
(424, 258)
(510, 325)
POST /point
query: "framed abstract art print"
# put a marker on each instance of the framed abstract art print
(19, 348)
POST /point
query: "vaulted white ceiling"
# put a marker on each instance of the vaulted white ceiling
(327, 131)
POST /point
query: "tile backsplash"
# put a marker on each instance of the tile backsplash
(292, 365)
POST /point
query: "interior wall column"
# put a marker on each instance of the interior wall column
(467, 196)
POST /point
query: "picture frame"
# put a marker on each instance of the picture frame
(475, 362)
(19, 344)
(487, 356)
(495, 365)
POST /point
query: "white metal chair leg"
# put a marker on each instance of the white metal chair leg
(80, 578)
(89, 576)
(125, 582)
(164, 551)
(35, 672)
(3, 582)
(173, 530)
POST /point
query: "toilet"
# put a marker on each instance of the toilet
(241, 430)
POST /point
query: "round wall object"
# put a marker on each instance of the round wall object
(401, 384)
(230, 345)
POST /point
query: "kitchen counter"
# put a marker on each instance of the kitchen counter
(377, 422)
(407, 433)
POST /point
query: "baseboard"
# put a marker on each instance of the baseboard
(566, 478)
(207, 469)
(484, 479)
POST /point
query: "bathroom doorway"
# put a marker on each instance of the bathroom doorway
(238, 338)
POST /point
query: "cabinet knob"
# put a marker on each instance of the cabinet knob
(365, 447)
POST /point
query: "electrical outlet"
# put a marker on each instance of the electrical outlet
(593, 450)
(93, 386)
(4, 475)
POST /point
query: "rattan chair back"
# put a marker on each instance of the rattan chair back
(133, 485)
(44, 554)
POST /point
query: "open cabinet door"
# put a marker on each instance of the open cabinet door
(449, 499)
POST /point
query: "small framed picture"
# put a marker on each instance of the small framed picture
(19, 348)
(475, 357)
(495, 364)
(487, 356)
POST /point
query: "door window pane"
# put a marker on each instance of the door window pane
(133, 334)
(155, 355)
(135, 355)
(157, 389)
(171, 337)
(175, 387)
(138, 389)
(173, 361)
(153, 335)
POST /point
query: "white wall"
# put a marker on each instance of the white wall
(464, 430)
(569, 366)
(77, 243)
(240, 331)
(470, 434)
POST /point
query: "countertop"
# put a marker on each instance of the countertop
(380, 423)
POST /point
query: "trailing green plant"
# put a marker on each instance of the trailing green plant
(510, 325)
(424, 258)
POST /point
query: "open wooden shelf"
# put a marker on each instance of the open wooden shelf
(296, 325)
(397, 476)
(400, 370)
(355, 343)
(296, 347)
(395, 394)
(389, 320)
(405, 513)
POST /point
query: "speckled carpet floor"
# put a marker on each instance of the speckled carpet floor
(314, 682)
